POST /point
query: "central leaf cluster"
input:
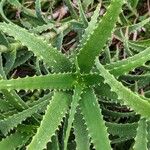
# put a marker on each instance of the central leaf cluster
(80, 80)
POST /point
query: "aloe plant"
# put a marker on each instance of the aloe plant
(76, 85)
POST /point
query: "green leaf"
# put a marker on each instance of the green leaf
(40, 48)
(82, 14)
(53, 116)
(2, 3)
(114, 113)
(148, 134)
(20, 7)
(11, 96)
(38, 11)
(86, 3)
(124, 66)
(140, 45)
(145, 43)
(75, 102)
(127, 130)
(133, 3)
(91, 26)
(51, 81)
(14, 141)
(12, 121)
(80, 131)
(94, 120)
(3, 40)
(54, 144)
(102, 32)
(15, 3)
(22, 57)
(92, 79)
(136, 47)
(138, 104)
(71, 9)
(14, 99)
(5, 106)
(131, 28)
(10, 57)
(140, 78)
(141, 137)
(40, 29)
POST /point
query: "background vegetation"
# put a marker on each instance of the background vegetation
(109, 99)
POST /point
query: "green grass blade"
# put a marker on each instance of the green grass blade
(102, 32)
(94, 121)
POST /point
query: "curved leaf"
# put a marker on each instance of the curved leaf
(94, 120)
(53, 116)
(39, 47)
(138, 104)
(126, 65)
(75, 102)
(12, 121)
(80, 131)
(102, 32)
(141, 137)
(14, 141)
